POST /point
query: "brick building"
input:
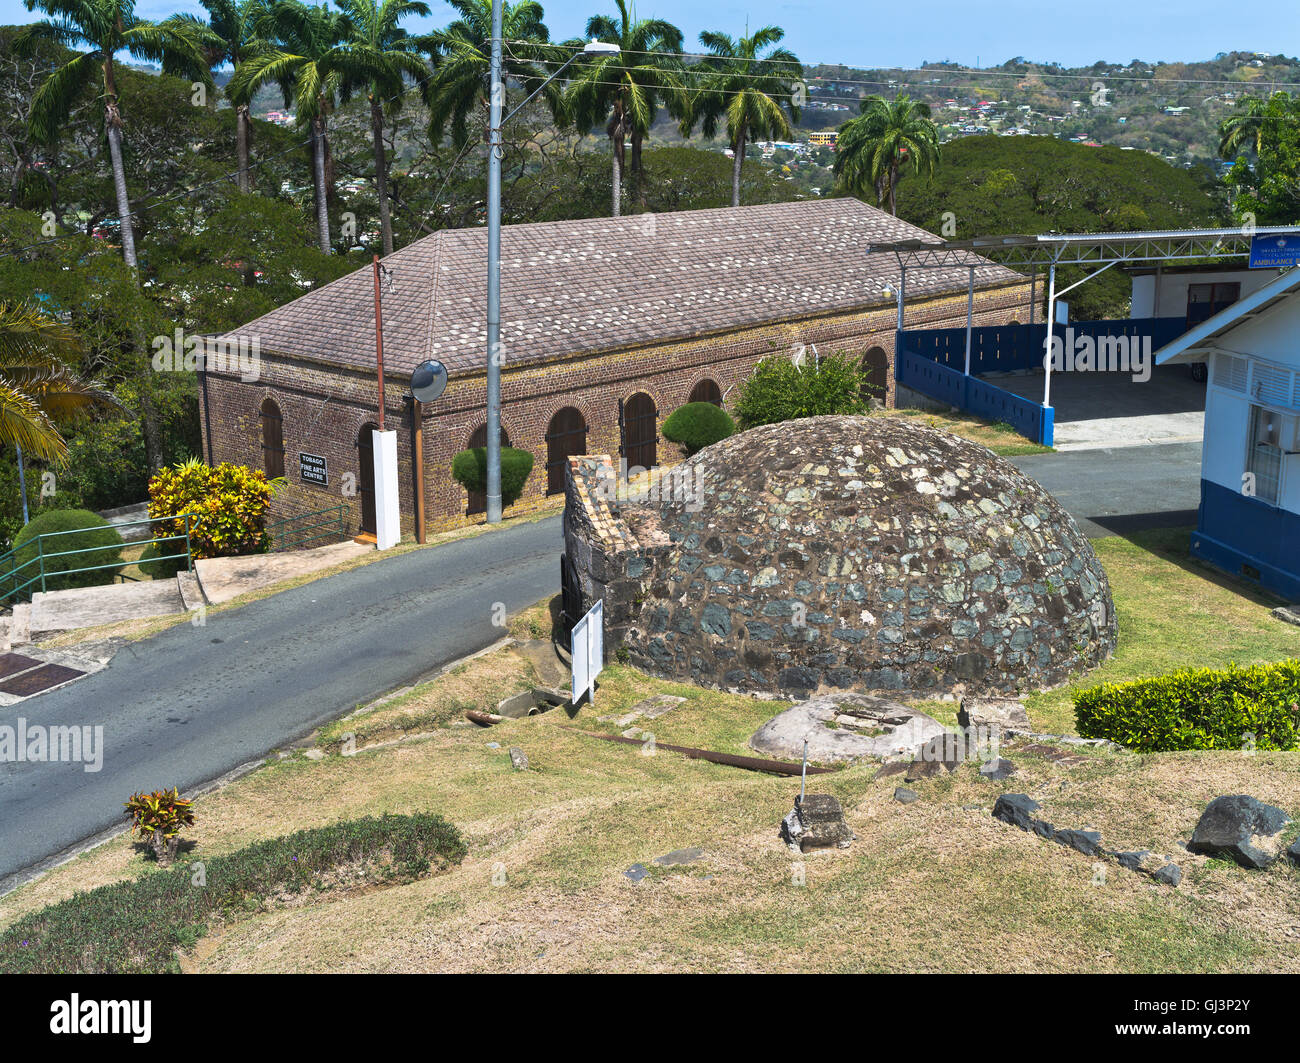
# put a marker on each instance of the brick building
(608, 325)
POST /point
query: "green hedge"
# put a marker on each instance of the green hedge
(469, 469)
(698, 425)
(1197, 708)
(138, 927)
(96, 532)
(778, 390)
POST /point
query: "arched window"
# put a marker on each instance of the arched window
(640, 424)
(706, 390)
(478, 438)
(565, 436)
(272, 439)
(875, 364)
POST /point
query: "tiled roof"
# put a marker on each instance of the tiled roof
(581, 286)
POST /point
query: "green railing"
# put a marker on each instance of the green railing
(321, 525)
(26, 569)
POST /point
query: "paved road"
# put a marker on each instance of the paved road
(1125, 489)
(193, 703)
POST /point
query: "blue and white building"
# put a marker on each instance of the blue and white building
(1249, 522)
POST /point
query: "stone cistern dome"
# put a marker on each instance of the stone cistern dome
(831, 553)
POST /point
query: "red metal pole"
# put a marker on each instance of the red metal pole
(379, 344)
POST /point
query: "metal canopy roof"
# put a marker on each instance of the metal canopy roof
(1088, 249)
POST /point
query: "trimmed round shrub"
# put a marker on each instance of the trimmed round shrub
(92, 531)
(469, 469)
(698, 425)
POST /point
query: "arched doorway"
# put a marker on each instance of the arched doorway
(272, 439)
(478, 438)
(640, 430)
(875, 366)
(706, 390)
(366, 477)
(565, 436)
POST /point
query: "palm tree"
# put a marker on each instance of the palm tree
(306, 59)
(38, 388)
(625, 90)
(462, 55)
(231, 36)
(1244, 128)
(382, 55)
(885, 136)
(107, 28)
(753, 85)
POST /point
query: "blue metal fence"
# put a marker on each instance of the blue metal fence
(1031, 419)
(1011, 348)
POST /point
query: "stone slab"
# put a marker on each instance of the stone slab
(56, 611)
(224, 578)
(783, 735)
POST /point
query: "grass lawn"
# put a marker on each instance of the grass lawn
(937, 885)
(999, 437)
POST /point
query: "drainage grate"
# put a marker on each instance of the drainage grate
(13, 663)
(48, 675)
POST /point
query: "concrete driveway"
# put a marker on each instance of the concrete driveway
(1095, 410)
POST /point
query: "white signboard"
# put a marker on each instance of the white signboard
(587, 648)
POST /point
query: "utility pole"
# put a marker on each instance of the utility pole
(497, 91)
(379, 343)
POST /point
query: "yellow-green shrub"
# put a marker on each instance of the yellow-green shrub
(228, 504)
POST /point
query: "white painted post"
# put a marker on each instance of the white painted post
(970, 312)
(902, 295)
(388, 518)
(1051, 322)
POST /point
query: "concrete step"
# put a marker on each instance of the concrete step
(56, 611)
(191, 591)
(20, 625)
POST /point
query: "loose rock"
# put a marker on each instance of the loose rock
(817, 822)
(904, 796)
(1240, 828)
(998, 769)
(518, 759)
(1006, 714)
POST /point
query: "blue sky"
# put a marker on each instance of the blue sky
(893, 35)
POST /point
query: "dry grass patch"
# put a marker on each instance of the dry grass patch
(931, 886)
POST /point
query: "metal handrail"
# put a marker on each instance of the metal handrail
(14, 567)
(295, 537)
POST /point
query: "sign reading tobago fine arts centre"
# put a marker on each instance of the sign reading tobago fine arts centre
(313, 470)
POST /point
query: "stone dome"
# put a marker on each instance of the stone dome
(863, 553)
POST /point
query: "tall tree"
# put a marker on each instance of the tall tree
(382, 55)
(462, 54)
(887, 135)
(231, 35)
(1243, 129)
(751, 83)
(106, 28)
(625, 91)
(38, 387)
(1263, 138)
(305, 57)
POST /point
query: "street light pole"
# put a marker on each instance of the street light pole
(496, 92)
(496, 356)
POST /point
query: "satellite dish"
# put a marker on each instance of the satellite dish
(428, 381)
